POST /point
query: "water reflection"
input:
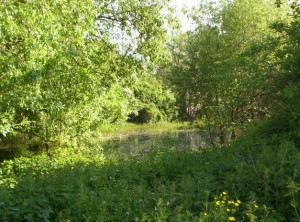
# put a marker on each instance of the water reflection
(138, 144)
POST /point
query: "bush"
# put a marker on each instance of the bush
(246, 181)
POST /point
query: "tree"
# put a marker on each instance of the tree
(286, 118)
(66, 66)
(229, 87)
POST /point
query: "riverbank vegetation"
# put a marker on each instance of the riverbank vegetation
(254, 179)
(72, 72)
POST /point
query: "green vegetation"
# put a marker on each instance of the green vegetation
(76, 73)
(259, 177)
(234, 67)
(151, 128)
(68, 67)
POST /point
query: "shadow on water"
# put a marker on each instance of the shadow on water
(134, 144)
(141, 143)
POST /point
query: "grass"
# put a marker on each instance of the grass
(126, 129)
(253, 179)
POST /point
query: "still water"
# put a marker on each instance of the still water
(141, 143)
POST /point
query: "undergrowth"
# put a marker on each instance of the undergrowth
(253, 179)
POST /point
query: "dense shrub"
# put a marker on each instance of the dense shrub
(251, 180)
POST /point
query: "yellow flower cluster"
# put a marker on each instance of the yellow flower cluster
(223, 199)
(235, 203)
(229, 204)
(224, 205)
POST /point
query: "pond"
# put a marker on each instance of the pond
(140, 143)
(132, 142)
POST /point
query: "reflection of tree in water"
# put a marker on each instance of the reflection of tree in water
(138, 144)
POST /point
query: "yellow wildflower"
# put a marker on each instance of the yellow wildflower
(255, 205)
(236, 204)
(224, 193)
(238, 201)
(227, 210)
(218, 203)
(231, 219)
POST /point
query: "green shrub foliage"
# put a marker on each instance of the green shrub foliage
(255, 179)
(69, 66)
(228, 71)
